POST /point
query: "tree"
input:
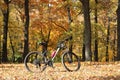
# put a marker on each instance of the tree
(96, 33)
(69, 21)
(118, 31)
(5, 12)
(87, 23)
(12, 47)
(26, 29)
(107, 40)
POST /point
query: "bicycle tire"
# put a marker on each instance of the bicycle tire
(74, 65)
(34, 62)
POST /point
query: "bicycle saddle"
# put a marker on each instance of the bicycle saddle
(42, 43)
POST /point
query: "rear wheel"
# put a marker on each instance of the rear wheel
(34, 62)
(70, 61)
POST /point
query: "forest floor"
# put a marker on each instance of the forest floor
(88, 71)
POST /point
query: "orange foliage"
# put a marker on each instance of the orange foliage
(57, 15)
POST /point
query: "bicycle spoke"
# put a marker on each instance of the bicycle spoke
(34, 62)
(70, 62)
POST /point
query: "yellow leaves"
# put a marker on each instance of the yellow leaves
(45, 1)
(3, 6)
(53, 17)
(93, 71)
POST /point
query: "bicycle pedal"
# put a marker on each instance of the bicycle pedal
(44, 67)
(52, 66)
(50, 63)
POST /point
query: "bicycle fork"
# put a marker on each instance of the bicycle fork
(69, 55)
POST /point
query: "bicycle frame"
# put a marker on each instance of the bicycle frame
(58, 49)
(41, 60)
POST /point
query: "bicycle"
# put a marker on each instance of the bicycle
(36, 61)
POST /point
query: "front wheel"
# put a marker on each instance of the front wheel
(70, 61)
(34, 62)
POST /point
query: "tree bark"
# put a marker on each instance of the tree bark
(83, 52)
(0, 47)
(5, 31)
(107, 40)
(12, 47)
(26, 29)
(69, 21)
(96, 33)
(118, 31)
(87, 23)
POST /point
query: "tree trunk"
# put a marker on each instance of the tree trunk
(107, 40)
(5, 31)
(0, 46)
(83, 52)
(69, 21)
(87, 23)
(118, 31)
(26, 31)
(96, 34)
(12, 47)
(114, 45)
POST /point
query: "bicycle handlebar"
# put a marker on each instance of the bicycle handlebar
(69, 38)
(66, 39)
(42, 43)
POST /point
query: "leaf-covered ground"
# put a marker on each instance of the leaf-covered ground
(88, 71)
